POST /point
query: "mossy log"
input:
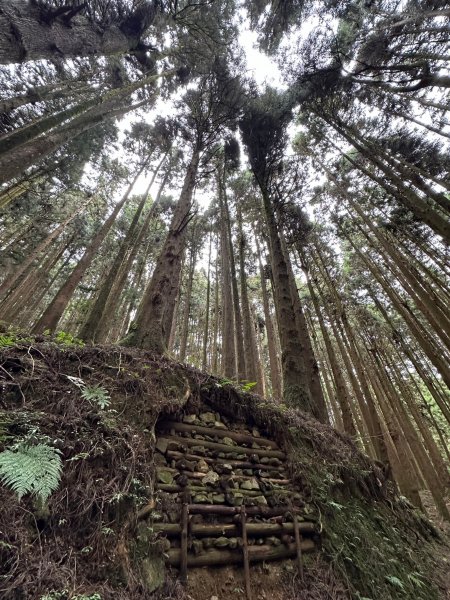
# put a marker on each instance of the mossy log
(260, 529)
(223, 447)
(228, 557)
(242, 438)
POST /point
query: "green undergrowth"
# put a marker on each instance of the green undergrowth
(98, 408)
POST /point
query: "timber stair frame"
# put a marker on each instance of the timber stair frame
(250, 456)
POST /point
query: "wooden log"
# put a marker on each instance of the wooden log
(220, 509)
(245, 555)
(224, 448)
(238, 464)
(242, 438)
(229, 529)
(228, 557)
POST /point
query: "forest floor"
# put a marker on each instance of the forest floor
(444, 527)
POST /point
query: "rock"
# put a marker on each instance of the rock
(275, 462)
(197, 547)
(185, 465)
(255, 432)
(218, 499)
(189, 419)
(200, 499)
(249, 484)
(198, 450)
(226, 468)
(161, 445)
(274, 541)
(264, 460)
(159, 459)
(255, 445)
(153, 571)
(219, 425)
(221, 542)
(221, 455)
(198, 436)
(164, 476)
(208, 417)
(236, 498)
(247, 471)
(233, 542)
(211, 477)
(228, 441)
(241, 456)
(260, 500)
(202, 466)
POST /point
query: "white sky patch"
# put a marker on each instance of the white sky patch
(262, 68)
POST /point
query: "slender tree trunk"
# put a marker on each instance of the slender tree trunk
(53, 313)
(275, 373)
(187, 298)
(208, 300)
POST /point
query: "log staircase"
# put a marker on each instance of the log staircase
(228, 495)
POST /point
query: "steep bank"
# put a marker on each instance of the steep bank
(87, 539)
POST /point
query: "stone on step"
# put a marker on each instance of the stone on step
(221, 542)
(218, 498)
(164, 476)
(228, 441)
(202, 466)
(249, 484)
(208, 417)
(255, 432)
(219, 425)
(260, 500)
(200, 499)
(211, 477)
(197, 547)
(161, 445)
(190, 419)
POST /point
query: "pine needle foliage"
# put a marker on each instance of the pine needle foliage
(31, 469)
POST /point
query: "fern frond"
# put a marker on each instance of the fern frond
(31, 469)
(96, 394)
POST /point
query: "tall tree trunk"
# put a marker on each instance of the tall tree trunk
(187, 298)
(296, 377)
(229, 362)
(163, 287)
(275, 372)
(32, 32)
(208, 301)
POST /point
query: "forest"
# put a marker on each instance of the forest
(256, 193)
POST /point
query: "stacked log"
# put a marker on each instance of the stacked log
(235, 497)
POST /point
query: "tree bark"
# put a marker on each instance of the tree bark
(31, 32)
(149, 332)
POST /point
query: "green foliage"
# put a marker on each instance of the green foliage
(96, 394)
(7, 340)
(34, 469)
(244, 386)
(67, 339)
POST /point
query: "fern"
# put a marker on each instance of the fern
(31, 469)
(96, 394)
